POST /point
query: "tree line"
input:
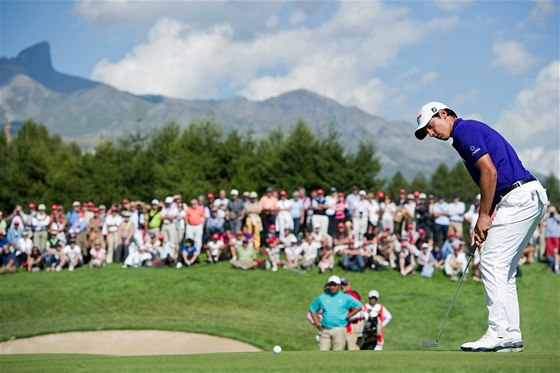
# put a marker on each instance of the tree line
(38, 166)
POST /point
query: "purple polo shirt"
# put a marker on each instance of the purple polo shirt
(473, 139)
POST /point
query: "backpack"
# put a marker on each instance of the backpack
(369, 333)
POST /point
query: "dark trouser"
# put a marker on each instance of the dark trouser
(440, 234)
(354, 263)
(120, 253)
(297, 225)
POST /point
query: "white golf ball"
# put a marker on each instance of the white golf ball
(277, 349)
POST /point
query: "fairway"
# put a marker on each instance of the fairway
(339, 361)
(264, 309)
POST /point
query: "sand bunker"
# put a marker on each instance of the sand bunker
(124, 343)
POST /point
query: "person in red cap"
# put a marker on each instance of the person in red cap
(214, 248)
(284, 218)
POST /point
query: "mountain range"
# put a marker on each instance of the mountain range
(85, 111)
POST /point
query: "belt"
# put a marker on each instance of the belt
(515, 185)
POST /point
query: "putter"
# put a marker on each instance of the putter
(436, 343)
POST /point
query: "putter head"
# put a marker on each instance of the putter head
(429, 344)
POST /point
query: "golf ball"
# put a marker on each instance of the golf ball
(277, 349)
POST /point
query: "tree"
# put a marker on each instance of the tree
(552, 189)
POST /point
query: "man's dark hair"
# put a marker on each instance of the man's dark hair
(449, 112)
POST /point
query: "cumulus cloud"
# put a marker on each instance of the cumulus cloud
(512, 57)
(338, 58)
(531, 122)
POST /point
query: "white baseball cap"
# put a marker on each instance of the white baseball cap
(155, 202)
(362, 192)
(169, 199)
(373, 293)
(334, 279)
(234, 192)
(424, 115)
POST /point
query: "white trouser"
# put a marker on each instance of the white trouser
(517, 216)
(321, 221)
(195, 232)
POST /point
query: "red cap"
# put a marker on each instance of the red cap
(161, 236)
(125, 201)
(90, 204)
(416, 193)
(215, 236)
(54, 207)
(341, 194)
(421, 230)
(409, 226)
(271, 227)
(380, 194)
(210, 196)
(31, 205)
(402, 191)
(239, 233)
(320, 191)
(283, 193)
(95, 209)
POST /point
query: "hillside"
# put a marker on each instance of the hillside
(85, 110)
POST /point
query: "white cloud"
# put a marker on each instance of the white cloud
(453, 6)
(532, 121)
(338, 58)
(512, 57)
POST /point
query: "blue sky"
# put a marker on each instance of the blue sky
(497, 61)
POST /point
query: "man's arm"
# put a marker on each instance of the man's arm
(488, 180)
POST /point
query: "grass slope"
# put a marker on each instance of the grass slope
(266, 308)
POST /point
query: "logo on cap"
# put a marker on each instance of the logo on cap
(434, 110)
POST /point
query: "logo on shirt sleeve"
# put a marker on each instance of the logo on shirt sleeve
(474, 150)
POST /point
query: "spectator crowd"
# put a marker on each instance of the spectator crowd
(414, 233)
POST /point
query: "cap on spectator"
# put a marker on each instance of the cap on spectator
(320, 191)
(210, 196)
(431, 196)
(269, 190)
(425, 246)
(421, 230)
(234, 192)
(239, 233)
(253, 195)
(42, 207)
(125, 214)
(334, 280)
(344, 281)
(168, 199)
(402, 191)
(283, 193)
(409, 226)
(102, 207)
(416, 194)
(76, 203)
(90, 204)
(422, 196)
(296, 194)
(456, 195)
(341, 194)
(246, 194)
(161, 236)
(380, 194)
(96, 209)
(31, 205)
(333, 189)
(451, 234)
(125, 201)
(16, 222)
(54, 207)
(25, 233)
(362, 192)
(425, 115)
(441, 196)
(72, 240)
(293, 239)
(271, 227)
(373, 294)
(215, 236)
(154, 202)
(409, 196)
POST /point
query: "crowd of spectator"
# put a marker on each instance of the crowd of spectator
(414, 233)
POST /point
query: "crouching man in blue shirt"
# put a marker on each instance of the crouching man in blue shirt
(337, 308)
(512, 204)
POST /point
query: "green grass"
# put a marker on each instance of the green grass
(264, 308)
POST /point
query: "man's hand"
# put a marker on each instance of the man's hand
(480, 231)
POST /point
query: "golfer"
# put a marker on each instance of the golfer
(519, 203)
(338, 307)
